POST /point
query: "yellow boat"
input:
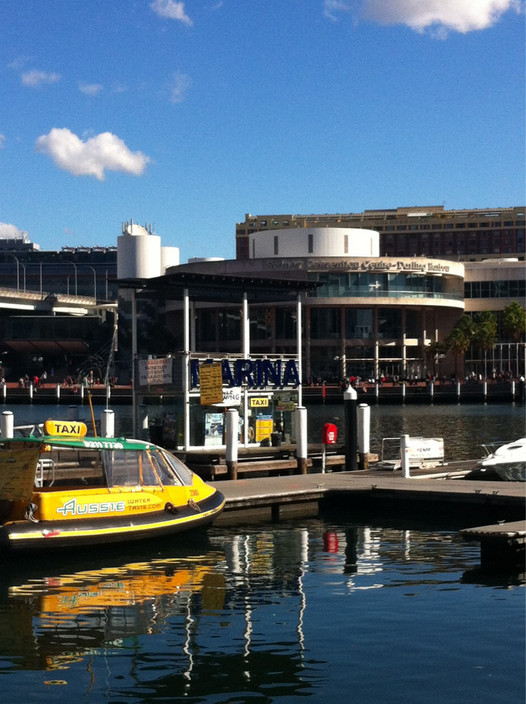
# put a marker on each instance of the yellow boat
(63, 489)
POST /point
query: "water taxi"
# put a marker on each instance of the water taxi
(64, 489)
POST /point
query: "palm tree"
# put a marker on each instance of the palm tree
(514, 321)
(514, 327)
(460, 338)
(485, 334)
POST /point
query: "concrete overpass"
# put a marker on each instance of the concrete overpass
(52, 303)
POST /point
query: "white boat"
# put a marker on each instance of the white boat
(508, 461)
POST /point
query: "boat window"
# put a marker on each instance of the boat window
(185, 475)
(130, 468)
(164, 469)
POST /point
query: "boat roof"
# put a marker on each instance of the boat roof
(87, 443)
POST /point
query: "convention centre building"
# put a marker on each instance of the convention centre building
(370, 315)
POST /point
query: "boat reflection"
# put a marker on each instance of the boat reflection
(56, 617)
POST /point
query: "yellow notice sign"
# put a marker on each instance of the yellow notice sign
(259, 402)
(263, 429)
(211, 383)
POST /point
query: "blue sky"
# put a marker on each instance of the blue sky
(187, 115)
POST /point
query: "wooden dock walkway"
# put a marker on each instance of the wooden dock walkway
(499, 504)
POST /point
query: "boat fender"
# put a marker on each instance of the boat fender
(30, 513)
(170, 508)
(194, 505)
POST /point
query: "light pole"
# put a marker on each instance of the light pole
(41, 265)
(18, 265)
(94, 281)
(76, 274)
(17, 272)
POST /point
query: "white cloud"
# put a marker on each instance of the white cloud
(171, 10)
(91, 157)
(179, 88)
(439, 16)
(35, 79)
(11, 231)
(2, 141)
(91, 89)
(19, 63)
(331, 7)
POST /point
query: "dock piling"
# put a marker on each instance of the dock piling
(7, 424)
(231, 439)
(301, 439)
(364, 433)
(350, 402)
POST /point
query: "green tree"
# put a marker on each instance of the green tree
(459, 339)
(514, 321)
(485, 334)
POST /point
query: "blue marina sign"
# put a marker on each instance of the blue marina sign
(253, 373)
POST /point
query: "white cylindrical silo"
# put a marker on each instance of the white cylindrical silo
(170, 256)
(138, 253)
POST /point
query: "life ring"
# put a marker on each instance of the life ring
(250, 433)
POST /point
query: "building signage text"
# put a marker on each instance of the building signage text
(387, 265)
(155, 371)
(254, 373)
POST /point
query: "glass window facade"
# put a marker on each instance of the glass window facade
(229, 325)
(260, 323)
(495, 289)
(325, 323)
(359, 323)
(367, 284)
(285, 323)
(389, 323)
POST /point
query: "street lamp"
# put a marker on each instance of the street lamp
(76, 275)
(94, 281)
(18, 264)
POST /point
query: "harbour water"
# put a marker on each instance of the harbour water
(341, 608)
(465, 428)
(328, 609)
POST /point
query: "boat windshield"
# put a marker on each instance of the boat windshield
(144, 468)
(184, 475)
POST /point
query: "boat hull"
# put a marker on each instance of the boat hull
(26, 536)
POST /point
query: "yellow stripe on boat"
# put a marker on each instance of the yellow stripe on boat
(108, 530)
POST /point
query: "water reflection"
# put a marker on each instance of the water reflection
(241, 613)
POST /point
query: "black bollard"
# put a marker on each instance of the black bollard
(350, 406)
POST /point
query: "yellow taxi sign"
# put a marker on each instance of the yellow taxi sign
(65, 428)
(260, 402)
